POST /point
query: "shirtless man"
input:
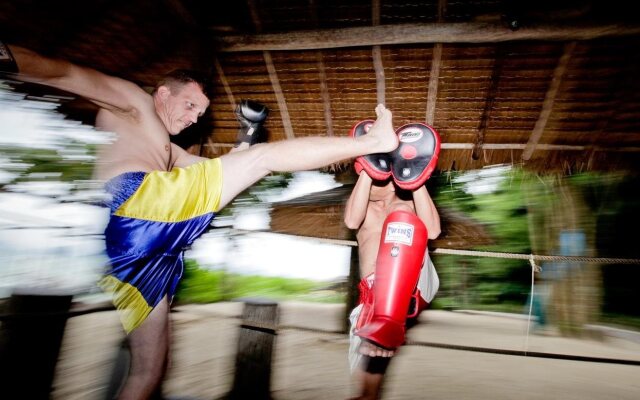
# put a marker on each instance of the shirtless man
(371, 206)
(164, 197)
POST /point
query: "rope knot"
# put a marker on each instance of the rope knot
(535, 267)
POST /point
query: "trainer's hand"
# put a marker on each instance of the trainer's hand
(251, 116)
(7, 62)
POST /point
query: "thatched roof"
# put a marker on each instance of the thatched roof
(550, 84)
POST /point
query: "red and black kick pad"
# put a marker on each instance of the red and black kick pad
(378, 165)
(416, 157)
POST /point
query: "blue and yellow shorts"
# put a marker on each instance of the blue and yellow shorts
(154, 216)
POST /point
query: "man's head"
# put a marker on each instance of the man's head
(180, 99)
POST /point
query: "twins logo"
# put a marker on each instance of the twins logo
(410, 135)
(399, 232)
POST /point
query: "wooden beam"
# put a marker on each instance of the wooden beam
(225, 84)
(434, 75)
(434, 78)
(488, 104)
(465, 32)
(546, 147)
(375, 12)
(549, 100)
(324, 94)
(209, 143)
(378, 66)
(324, 88)
(511, 146)
(277, 90)
(379, 70)
(442, 9)
(273, 75)
(255, 16)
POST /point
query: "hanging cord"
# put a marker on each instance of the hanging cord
(472, 253)
(534, 269)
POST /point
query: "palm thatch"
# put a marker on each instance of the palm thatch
(548, 85)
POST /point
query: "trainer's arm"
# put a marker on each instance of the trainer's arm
(426, 211)
(106, 91)
(356, 207)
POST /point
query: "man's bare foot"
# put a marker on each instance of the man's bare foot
(371, 350)
(381, 134)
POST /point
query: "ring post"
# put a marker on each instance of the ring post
(252, 378)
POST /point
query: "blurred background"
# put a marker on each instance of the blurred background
(538, 109)
(53, 217)
(52, 220)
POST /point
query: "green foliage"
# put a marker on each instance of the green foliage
(451, 194)
(200, 285)
(518, 206)
(271, 287)
(486, 282)
(209, 286)
(50, 165)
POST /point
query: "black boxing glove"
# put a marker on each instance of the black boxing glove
(377, 165)
(7, 62)
(416, 157)
(251, 116)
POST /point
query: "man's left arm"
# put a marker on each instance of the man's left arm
(426, 211)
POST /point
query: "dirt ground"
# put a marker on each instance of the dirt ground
(309, 364)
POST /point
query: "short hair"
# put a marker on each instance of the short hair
(177, 78)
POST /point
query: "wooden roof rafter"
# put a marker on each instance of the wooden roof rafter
(437, 66)
(488, 104)
(549, 100)
(324, 94)
(398, 34)
(434, 75)
(376, 54)
(322, 75)
(439, 34)
(225, 83)
(273, 76)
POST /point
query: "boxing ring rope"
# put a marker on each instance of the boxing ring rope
(275, 328)
(473, 253)
(459, 252)
(532, 258)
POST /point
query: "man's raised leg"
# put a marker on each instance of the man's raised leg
(241, 169)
